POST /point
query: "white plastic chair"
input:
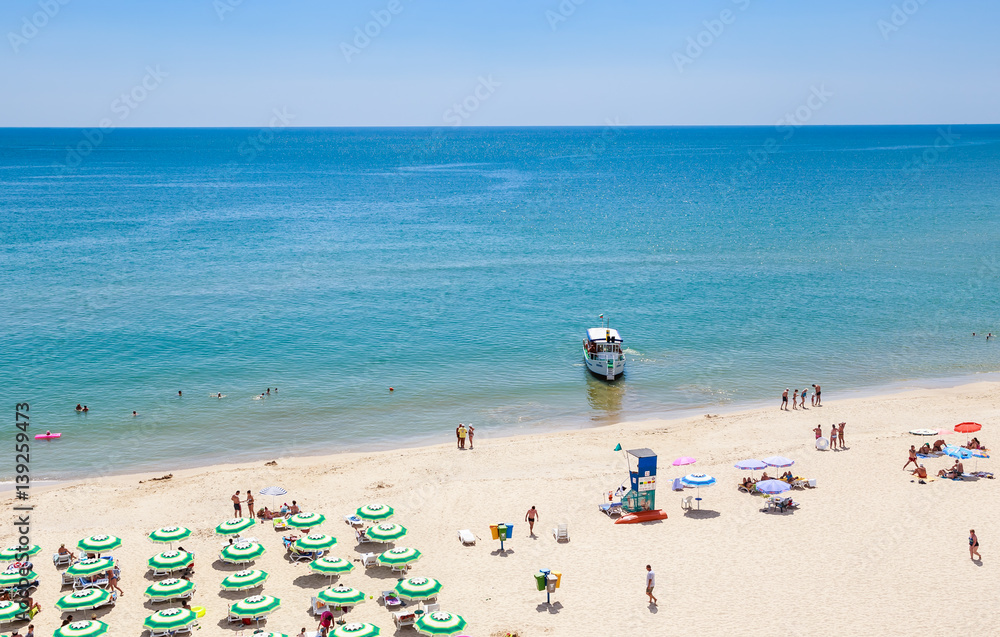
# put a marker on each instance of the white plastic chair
(369, 560)
(686, 502)
(561, 533)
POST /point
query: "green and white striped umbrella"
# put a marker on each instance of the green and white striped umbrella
(305, 520)
(341, 596)
(315, 542)
(82, 600)
(234, 526)
(10, 610)
(91, 566)
(255, 605)
(10, 580)
(417, 588)
(170, 619)
(10, 553)
(386, 532)
(168, 534)
(242, 580)
(169, 560)
(375, 512)
(86, 628)
(99, 543)
(169, 589)
(242, 552)
(440, 623)
(356, 629)
(399, 556)
(331, 566)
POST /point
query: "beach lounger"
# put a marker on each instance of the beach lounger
(62, 560)
(678, 485)
(363, 539)
(353, 520)
(466, 536)
(279, 524)
(561, 533)
(67, 580)
(404, 618)
(304, 556)
(611, 508)
(317, 607)
(369, 560)
(430, 608)
(390, 601)
(399, 568)
(82, 583)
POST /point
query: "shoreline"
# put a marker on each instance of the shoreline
(429, 442)
(552, 427)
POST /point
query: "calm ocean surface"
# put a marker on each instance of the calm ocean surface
(461, 267)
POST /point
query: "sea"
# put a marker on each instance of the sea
(386, 284)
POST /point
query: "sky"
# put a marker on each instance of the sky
(79, 63)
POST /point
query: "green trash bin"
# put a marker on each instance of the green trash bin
(540, 581)
(502, 529)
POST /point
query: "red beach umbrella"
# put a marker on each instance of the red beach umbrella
(967, 427)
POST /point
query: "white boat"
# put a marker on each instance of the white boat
(602, 352)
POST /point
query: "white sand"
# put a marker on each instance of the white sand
(869, 552)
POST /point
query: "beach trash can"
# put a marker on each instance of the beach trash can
(540, 581)
(494, 532)
(550, 583)
(558, 577)
(502, 529)
(510, 529)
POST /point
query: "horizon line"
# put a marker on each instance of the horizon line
(497, 126)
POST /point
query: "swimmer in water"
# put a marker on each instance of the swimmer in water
(133, 413)
(79, 407)
(85, 410)
(268, 391)
(179, 392)
(220, 395)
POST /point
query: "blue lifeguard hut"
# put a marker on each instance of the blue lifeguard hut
(641, 495)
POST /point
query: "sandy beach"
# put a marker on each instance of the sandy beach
(870, 551)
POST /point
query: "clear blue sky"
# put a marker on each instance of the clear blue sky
(608, 60)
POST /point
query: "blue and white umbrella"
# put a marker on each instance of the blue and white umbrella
(778, 461)
(698, 480)
(773, 487)
(273, 492)
(958, 452)
(750, 465)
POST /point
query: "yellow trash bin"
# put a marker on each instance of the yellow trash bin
(558, 578)
(494, 531)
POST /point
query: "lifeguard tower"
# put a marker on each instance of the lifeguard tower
(639, 503)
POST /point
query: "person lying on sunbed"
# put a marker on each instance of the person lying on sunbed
(764, 476)
(955, 472)
(975, 444)
(925, 450)
(787, 476)
(748, 483)
(289, 541)
(920, 472)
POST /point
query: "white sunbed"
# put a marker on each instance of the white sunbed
(561, 533)
(466, 536)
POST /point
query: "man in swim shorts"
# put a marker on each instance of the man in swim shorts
(650, 583)
(530, 518)
(237, 507)
(816, 394)
(784, 399)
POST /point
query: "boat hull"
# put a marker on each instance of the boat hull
(599, 367)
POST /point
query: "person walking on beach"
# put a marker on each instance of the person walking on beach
(472, 431)
(913, 457)
(250, 509)
(650, 583)
(816, 396)
(803, 398)
(237, 507)
(795, 400)
(784, 399)
(840, 434)
(530, 518)
(974, 545)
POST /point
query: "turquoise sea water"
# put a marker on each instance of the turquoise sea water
(461, 267)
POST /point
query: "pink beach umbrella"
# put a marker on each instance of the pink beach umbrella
(683, 460)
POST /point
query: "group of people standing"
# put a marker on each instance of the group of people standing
(799, 399)
(264, 513)
(463, 432)
(836, 434)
